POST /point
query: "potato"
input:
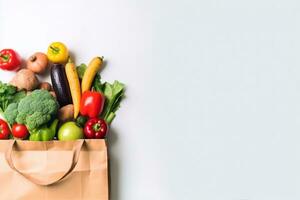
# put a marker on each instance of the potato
(66, 113)
(53, 94)
(45, 86)
(25, 79)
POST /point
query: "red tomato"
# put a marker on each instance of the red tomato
(4, 130)
(19, 131)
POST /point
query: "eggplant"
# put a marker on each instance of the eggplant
(60, 84)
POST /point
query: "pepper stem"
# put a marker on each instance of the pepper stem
(96, 127)
(5, 57)
(55, 49)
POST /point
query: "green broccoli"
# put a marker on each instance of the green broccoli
(34, 110)
(11, 113)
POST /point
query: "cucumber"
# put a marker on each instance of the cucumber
(60, 84)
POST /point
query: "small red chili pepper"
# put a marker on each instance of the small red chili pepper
(9, 60)
(4, 130)
(95, 128)
(91, 104)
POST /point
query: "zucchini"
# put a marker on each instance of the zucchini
(60, 84)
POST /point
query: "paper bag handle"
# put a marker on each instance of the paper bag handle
(75, 156)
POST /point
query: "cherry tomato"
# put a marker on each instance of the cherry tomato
(4, 130)
(19, 131)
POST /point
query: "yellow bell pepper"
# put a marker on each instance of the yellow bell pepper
(58, 53)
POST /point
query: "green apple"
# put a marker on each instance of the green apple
(70, 131)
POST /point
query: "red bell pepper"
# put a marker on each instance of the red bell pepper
(9, 60)
(91, 104)
(95, 128)
(4, 130)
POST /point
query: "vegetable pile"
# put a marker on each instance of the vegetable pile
(76, 105)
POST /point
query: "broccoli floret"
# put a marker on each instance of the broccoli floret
(36, 109)
(11, 113)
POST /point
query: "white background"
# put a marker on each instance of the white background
(213, 90)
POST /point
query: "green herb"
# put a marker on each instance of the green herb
(113, 94)
(80, 70)
(8, 95)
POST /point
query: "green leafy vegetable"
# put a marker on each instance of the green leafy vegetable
(8, 95)
(113, 94)
(18, 96)
(34, 110)
(81, 69)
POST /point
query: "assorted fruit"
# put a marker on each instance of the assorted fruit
(76, 105)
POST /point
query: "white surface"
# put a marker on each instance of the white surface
(213, 99)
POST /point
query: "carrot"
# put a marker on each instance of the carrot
(90, 73)
(74, 84)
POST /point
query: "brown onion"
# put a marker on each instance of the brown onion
(37, 63)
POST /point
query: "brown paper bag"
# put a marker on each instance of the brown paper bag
(53, 170)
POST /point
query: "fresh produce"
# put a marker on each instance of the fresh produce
(25, 79)
(81, 120)
(4, 130)
(90, 73)
(96, 85)
(34, 110)
(45, 86)
(19, 131)
(74, 84)
(57, 53)
(37, 63)
(70, 131)
(80, 70)
(95, 128)
(9, 60)
(60, 84)
(92, 104)
(77, 99)
(44, 133)
(113, 96)
(11, 113)
(9, 95)
(66, 113)
(53, 94)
